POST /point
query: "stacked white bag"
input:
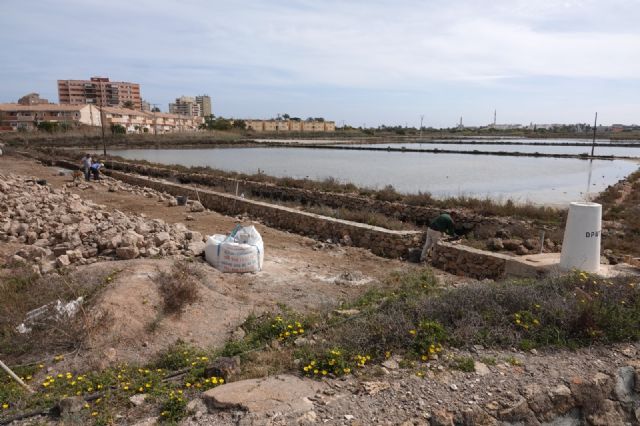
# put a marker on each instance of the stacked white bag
(240, 251)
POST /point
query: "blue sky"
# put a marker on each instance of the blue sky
(365, 62)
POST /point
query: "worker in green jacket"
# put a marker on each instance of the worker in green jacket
(442, 224)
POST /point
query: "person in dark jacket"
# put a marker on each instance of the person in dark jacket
(443, 224)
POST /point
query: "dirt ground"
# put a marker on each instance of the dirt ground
(308, 276)
(298, 272)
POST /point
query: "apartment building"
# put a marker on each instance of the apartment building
(205, 105)
(185, 105)
(199, 106)
(290, 126)
(99, 91)
(169, 123)
(32, 99)
(27, 117)
(135, 121)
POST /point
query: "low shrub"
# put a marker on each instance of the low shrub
(388, 193)
(178, 287)
(362, 216)
(464, 363)
(284, 326)
(411, 315)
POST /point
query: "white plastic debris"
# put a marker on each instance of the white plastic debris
(23, 329)
(57, 310)
(69, 309)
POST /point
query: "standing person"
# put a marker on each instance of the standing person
(95, 170)
(442, 224)
(86, 165)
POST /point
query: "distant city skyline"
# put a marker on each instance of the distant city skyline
(361, 62)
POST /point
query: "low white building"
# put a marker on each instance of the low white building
(27, 117)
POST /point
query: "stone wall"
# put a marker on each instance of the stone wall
(383, 242)
(453, 258)
(462, 260)
(420, 215)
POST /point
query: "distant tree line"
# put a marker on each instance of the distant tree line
(220, 123)
(54, 126)
(288, 117)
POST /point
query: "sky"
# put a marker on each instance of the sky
(359, 62)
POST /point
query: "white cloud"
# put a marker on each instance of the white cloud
(296, 44)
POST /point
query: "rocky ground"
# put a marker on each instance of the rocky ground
(109, 221)
(598, 386)
(138, 232)
(59, 228)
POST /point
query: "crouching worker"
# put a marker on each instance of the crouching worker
(95, 170)
(442, 224)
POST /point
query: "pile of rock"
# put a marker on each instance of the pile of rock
(60, 228)
(114, 185)
(504, 241)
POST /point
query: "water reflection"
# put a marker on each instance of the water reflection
(539, 180)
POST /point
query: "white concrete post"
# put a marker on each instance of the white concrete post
(581, 243)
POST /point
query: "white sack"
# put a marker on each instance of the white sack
(241, 251)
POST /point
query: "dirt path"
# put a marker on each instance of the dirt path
(299, 272)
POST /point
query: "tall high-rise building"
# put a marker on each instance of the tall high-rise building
(99, 91)
(205, 105)
(199, 106)
(185, 105)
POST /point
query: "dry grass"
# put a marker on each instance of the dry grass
(625, 211)
(179, 287)
(22, 291)
(267, 363)
(362, 216)
(574, 310)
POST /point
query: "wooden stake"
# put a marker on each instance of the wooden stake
(16, 378)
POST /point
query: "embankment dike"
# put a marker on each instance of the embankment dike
(454, 151)
(453, 258)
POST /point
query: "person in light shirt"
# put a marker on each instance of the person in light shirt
(86, 166)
